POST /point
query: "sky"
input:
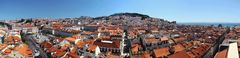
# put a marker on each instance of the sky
(226, 11)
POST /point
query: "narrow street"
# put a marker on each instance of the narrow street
(34, 46)
(215, 47)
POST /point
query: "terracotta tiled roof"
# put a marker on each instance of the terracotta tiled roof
(141, 31)
(91, 47)
(151, 40)
(80, 44)
(12, 39)
(114, 44)
(144, 55)
(113, 56)
(178, 47)
(73, 53)
(237, 29)
(114, 29)
(164, 38)
(87, 32)
(200, 50)
(231, 34)
(59, 52)
(191, 54)
(46, 44)
(132, 34)
(222, 54)
(179, 39)
(71, 39)
(181, 54)
(116, 33)
(105, 37)
(65, 56)
(188, 44)
(59, 39)
(24, 50)
(161, 52)
(7, 51)
(89, 41)
(73, 50)
(91, 25)
(137, 56)
(54, 48)
(135, 47)
(57, 25)
(65, 46)
(2, 46)
(77, 35)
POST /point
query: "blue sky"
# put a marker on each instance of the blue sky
(172, 10)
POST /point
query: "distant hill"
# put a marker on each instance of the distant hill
(25, 21)
(131, 14)
(143, 16)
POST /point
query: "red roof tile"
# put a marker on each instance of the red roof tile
(88, 32)
(180, 39)
(24, 50)
(188, 44)
(161, 52)
(12, 39)
(222, 54)
(80, 44)
(144, 55)
(7, 51)
(200, 50)
(114, 44)
(135, 47)
(181, 54)
(73, 53)
(91, 47)
(59, 52)
(178, 47)
(151, 40)
(46, 44)
(54, 48)
(89, 41)
(71, 39)
(2, 46)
